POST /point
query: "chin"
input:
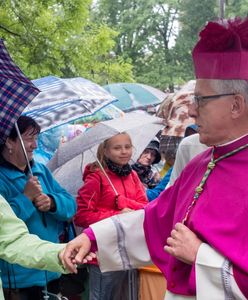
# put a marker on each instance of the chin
(205, 140)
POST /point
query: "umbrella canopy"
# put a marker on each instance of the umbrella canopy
(16, 92)
(48, 141)
(174, 110)
(133, 96)
(71, 157)
(65, 100)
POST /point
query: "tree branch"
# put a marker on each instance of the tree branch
(9, 31)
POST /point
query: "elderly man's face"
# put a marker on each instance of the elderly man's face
(212, 116)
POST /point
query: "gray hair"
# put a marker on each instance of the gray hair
(230, 86)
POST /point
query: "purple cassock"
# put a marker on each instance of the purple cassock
(219, 217)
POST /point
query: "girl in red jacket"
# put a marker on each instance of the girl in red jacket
(110, 187)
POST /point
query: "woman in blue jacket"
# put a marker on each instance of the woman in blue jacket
(35, 198)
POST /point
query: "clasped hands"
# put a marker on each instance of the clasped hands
(33, 191)
(77, 252)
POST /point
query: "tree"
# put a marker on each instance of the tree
(145, 28)
(236, 8)
(57, 37)
(193, 16)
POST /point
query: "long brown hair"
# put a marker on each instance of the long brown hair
(100, 153)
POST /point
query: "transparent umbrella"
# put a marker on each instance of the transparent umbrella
(71, 157)
(133, 96)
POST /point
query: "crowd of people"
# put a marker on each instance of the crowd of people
(188, 218)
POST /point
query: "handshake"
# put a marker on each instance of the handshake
(76, 252)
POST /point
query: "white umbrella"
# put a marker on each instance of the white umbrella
(71, 157)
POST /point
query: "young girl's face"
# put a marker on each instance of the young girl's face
(119, 149)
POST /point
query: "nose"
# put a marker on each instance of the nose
(193, 110)
(34, 144)
(124, 150)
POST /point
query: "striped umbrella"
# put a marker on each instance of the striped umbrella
(64, 100)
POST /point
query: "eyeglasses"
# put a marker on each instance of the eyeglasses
(198, 100)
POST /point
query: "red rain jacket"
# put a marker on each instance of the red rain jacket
(96, 199)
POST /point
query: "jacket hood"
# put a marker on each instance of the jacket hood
(87, 171)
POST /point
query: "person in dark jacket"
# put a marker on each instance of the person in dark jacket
(143, 166)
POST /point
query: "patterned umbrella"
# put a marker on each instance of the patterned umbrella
(174, 110)
(65, 100)
(133, 96)
(16, 92)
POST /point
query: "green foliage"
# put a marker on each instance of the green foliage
(145, 29)
(236, 8)
(148, 41)
(58, 37)
(193, 16)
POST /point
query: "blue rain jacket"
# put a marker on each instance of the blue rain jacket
(45, 225)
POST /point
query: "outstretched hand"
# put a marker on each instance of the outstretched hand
(77, 251)
(183, 244)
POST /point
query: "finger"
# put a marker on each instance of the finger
(44, 209)
(39, 188)
(180, 227)
(93, 254)
(80, 255)
(168, 250)
(170, 241)
(35, 179)
(174, 233)
(68, 264)
(68, 259)
(88, 258)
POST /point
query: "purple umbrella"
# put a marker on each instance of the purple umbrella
(16, 92)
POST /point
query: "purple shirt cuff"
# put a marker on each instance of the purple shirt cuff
(90, 233)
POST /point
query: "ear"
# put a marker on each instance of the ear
(9, 143)
(238, 106)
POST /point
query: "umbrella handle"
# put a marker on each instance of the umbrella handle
(23, 148)
(104, 172)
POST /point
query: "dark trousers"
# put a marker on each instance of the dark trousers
(31, 293)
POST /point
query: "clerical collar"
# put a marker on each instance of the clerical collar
(230, 146)
(232, 141)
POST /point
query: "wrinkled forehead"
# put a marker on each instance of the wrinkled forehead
(203, 86)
